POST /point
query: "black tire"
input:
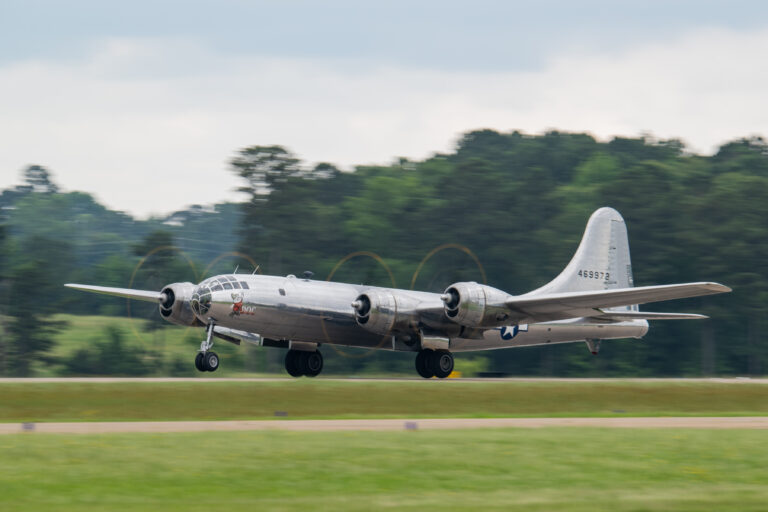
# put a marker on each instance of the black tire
(301, 364)
(314, 363)
(211, 361)
(422, 364)
(441, 363)
(199, 362)
(292, 364)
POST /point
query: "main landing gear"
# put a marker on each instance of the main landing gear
(434, 363)
(300, 362)
(207, 361)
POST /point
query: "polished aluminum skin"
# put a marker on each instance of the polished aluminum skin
(592, 299)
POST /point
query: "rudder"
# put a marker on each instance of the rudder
(602, 260)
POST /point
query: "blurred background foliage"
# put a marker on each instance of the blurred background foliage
(508, 207)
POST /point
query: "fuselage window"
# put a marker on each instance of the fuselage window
(244, 285)
(232, 278)
(282, 291)
(236, 285)
(227, 286)
(216, 287)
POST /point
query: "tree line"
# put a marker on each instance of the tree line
(508, 208)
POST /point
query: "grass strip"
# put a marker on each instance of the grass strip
(548, 469)
(305, 398)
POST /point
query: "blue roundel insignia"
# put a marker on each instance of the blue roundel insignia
(510, 331)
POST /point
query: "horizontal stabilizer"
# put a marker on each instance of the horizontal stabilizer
(647, 315)
(121, 292)
(556, 306)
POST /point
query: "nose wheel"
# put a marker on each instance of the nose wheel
(207, 360)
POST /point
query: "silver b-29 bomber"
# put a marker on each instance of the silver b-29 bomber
(593, 299)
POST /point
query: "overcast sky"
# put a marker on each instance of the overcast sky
(143, 103)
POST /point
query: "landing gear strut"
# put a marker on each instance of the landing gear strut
(299, 362)
(434, 363)
(206, 360)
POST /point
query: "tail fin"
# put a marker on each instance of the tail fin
(597, 283)
(602, 260)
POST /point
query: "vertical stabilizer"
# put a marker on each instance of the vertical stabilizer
(602, 260)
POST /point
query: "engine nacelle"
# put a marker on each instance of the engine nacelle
(176, 307)
(476, 305)
(383, 312)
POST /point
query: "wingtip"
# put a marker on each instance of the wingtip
(719, 288)
(78, 286)
(695, 316)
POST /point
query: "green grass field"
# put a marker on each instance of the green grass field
(169, 347)
(514, 469)
(171, 340)
(563, 469)
(209, 399)
(80, 330)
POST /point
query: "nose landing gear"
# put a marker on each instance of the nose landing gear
(206, 360)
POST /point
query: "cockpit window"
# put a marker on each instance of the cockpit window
(201, 299)
(201, 296)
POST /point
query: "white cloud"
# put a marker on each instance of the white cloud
(148, 125)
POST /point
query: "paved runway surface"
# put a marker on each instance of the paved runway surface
(384, 424)
(208, 378)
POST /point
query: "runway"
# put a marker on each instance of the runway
(159, 427)
(209, 378)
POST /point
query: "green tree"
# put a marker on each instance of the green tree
(264, 166)
(40, 179)
(35, 277)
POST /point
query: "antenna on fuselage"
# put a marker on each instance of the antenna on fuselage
(256, 269)
(236, 267)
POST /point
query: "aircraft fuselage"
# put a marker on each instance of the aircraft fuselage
(305, 310)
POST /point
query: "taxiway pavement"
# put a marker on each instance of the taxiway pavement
(753, 422)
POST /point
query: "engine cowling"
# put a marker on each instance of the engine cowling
(383, 312)
(176, 307)
(476, 305)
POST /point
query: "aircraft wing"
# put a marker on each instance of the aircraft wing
(557, 306)
(120, 292)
